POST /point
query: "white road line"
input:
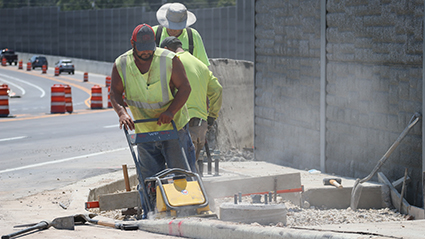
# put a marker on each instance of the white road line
(43, 93)
(112, 126)
(60, 160)
(7, 139)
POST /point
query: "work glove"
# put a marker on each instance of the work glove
(210, 121)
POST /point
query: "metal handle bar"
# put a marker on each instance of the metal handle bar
(415, 118)
(139, 173)
(153, 119)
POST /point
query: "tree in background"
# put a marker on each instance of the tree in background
(226, 3)
(69, 5)
(26, 3)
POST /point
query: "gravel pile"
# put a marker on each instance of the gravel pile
(297, 216)
(312, 216)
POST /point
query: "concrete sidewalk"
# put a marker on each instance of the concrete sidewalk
(40, 207)
(314, 192)
(233, 177)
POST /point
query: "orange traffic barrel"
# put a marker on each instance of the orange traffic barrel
(68, 99)
(3, 61)
(44, 69)
(28, 66)
(57, 71)
(58, 99)
(6, 86)
(20, 67)
(4, 101)
(108, 81)
(109, 97)
(96, 97)
(86, 76)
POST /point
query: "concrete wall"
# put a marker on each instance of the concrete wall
(236, 119)
(373, 86)
(287, 82)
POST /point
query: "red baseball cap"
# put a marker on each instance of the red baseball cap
(144, 38)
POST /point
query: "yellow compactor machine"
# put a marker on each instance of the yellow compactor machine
(177, 193)
(172, 192)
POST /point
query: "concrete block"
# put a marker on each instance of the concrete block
(249, 213)
(228, 187)
(118, 185)
(119, 200)
(371, 197)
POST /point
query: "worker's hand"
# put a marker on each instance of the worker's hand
(127, 122)
(165, 118)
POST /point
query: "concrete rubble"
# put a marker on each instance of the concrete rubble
(257, 176)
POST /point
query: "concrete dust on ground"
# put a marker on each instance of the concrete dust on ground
(67, 201)
(70, 200)
(296, 216)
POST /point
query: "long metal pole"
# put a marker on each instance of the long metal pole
(323, 86)
(423, 111)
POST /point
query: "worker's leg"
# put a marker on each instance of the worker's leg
(150, 159)
(197, 133)
(173, 150)
(149, 162)
(198, 129)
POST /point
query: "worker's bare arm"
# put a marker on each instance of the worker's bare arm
(117, 102)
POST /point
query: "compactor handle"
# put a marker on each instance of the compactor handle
(154, 119)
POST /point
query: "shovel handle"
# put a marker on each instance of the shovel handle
(107, 224)
(115, 225)
(40, 225)
(415, 118)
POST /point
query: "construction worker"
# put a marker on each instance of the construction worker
(155, 86)
(206, 91)
(174, 20)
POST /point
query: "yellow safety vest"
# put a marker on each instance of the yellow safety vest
(149, 94)
(204, 84)
(198, 50)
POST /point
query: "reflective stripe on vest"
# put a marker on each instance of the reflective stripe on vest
(164, 84)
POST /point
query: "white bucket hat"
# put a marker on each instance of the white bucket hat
(175, 16)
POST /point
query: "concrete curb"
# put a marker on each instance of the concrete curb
(211, 229)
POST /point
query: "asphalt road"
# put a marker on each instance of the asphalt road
(41, 151)
(44, 156)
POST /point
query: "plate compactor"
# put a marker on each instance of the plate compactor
(172, 192)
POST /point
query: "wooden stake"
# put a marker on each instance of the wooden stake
(127, 182)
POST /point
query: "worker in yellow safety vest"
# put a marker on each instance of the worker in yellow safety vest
(205, 99)
(155, 86)
(174, 20)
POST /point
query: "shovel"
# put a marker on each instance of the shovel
(357, 188)
(58, 223)
(82, 218)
